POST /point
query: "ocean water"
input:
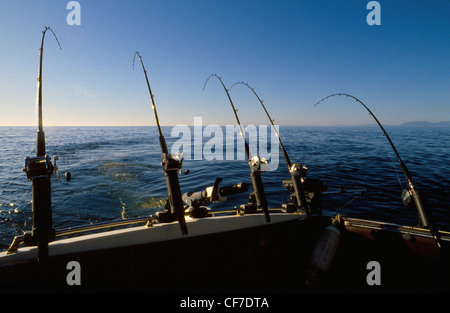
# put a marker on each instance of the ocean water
(117, 173)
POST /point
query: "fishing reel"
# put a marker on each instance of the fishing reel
(298, 169)
(38, 167)
(173, 209)
(172, 162)
(196, 200)
(312, 188)
(407, 198)
(67, 175)
(42, 167)
(256, 163)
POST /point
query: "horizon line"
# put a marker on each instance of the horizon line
(285, 125)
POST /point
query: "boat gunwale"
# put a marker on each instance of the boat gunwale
(392, 227)
(164, 232)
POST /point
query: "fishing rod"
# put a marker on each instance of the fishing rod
(40, 142)
(174, 209)
(297, 171)
(254, 162)
(424, 214)
(39, 170)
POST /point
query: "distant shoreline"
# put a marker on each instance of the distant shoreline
(441, 124)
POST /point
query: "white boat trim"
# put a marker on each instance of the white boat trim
(139, 235)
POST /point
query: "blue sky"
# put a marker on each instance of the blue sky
(292, 52)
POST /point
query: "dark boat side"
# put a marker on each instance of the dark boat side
(228, 260)
(260, 257)
(407, 259)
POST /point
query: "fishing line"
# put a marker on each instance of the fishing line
(403, 166)
(171, 166)
(247, 150)
(162, 140)
(286, 157)
(253, 162)
(297, 171)
(57, 40)
(40, 144)
(396, 173)
(350, 201)
(425, 215)
(38, 106)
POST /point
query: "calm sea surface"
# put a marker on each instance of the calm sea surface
(116, 173)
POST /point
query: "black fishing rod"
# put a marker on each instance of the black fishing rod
(254, 162)
(297, 171)
(175, 208)
(40, 142)
(39, 170)
(424, 214)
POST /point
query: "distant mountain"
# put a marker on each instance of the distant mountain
(426, 124)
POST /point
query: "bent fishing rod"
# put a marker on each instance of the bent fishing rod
(424, 214)
(39, 170)
(40, 143)
(254, 163)
(175, 208)
(296, 170)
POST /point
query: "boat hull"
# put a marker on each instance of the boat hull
(249, 255)
(406, 258)
(236, 254)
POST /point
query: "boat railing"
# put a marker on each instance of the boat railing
(148, 221)
(71, 231)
